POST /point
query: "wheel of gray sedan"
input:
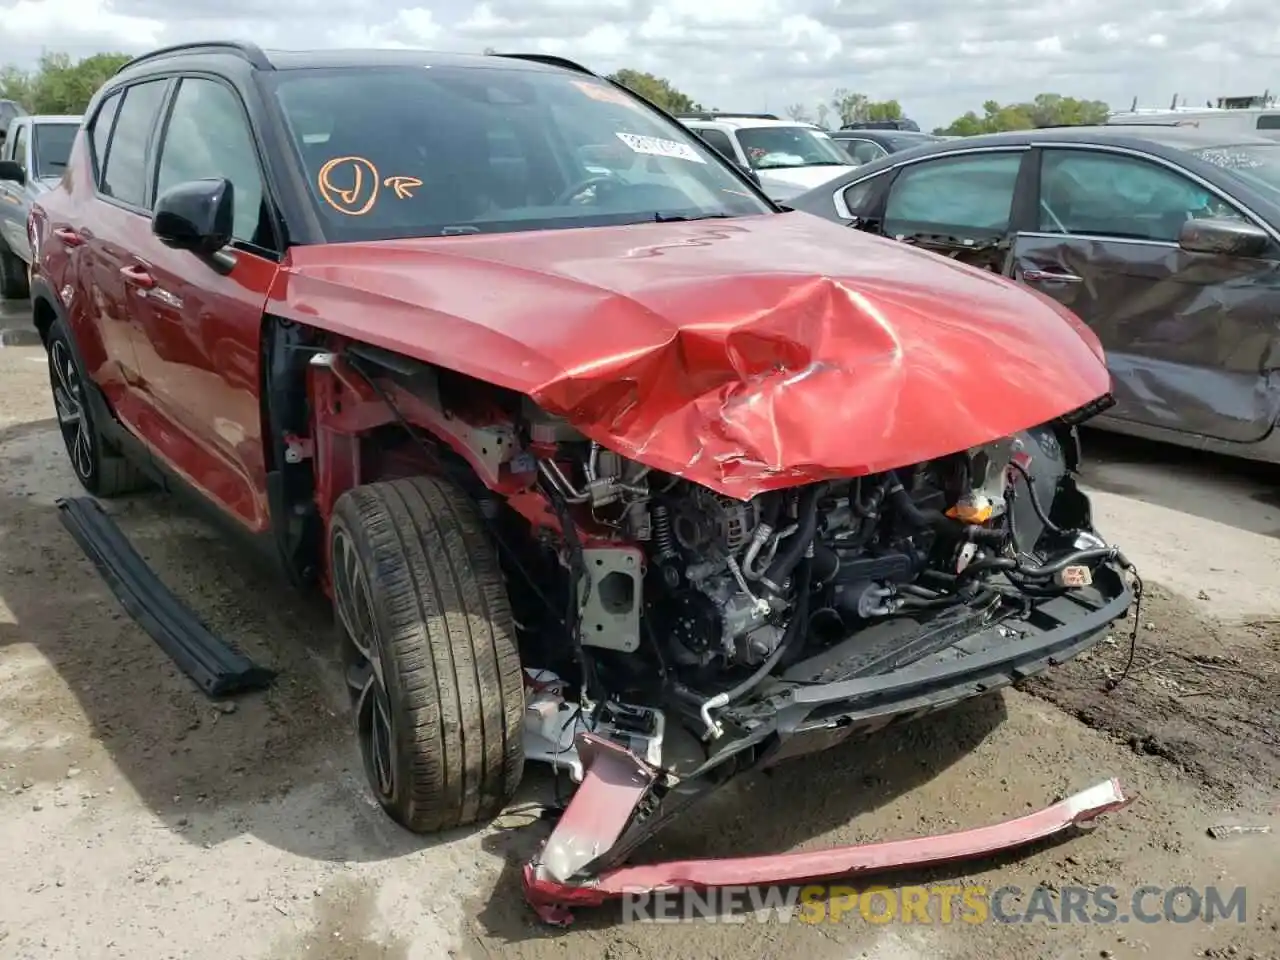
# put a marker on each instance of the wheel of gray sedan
(429, 652)
(100, 470)
(13, 276)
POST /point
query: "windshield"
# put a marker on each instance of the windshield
(768, 148)
(1256, 164)
(53, 147)
(442, 151)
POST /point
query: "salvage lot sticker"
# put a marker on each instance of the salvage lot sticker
(657, 147)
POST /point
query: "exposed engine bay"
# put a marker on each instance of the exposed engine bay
(696, 629)
(687, 594)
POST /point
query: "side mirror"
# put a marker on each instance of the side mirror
(749, 170)
(195, 216)
(1228, 238)
(12, 170)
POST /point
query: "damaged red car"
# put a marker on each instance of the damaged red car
(590, 444)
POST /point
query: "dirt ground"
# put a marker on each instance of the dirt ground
(137, 820)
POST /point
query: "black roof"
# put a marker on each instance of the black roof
(260, 59)
(879, 134)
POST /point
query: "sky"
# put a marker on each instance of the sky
(938, 58)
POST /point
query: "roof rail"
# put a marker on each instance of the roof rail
(721, 114)
(249, 52)
(551, 60)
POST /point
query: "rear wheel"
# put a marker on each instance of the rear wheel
(100, 470)
(13, 276)
(429, 652)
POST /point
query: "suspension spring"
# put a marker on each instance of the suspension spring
(662, 536)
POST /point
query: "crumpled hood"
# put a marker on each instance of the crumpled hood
(746, 354)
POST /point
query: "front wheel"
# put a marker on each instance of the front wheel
(429, 652)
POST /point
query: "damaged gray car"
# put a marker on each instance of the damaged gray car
(1164, 239)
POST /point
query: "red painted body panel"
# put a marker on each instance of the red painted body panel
(178, 354)
(615, 781)
(746, 355)
(199, 351)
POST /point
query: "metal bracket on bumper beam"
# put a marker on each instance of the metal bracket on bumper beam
(616, 781)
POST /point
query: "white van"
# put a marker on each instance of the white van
(1257, 121)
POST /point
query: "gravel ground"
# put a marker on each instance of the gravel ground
(136, 820)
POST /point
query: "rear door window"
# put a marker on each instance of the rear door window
(864, 151)
(124, 177)
(961, 195)
(100, 133)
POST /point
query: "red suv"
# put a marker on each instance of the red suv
(589, 444)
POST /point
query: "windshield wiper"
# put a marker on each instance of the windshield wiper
(660, 217)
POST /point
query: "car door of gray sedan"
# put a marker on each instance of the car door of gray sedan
(1192, 339)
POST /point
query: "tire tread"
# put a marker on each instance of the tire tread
(451, 663)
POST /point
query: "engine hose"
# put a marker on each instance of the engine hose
(1031, 572)
(937, 520)
(1076, 556)
(915, 590)
(871, 509)
(938, 603)
(795, 628)
(798, 543)
(1036, 505)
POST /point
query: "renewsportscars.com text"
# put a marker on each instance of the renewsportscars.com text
(940, 904)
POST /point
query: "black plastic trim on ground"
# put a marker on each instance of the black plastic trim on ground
(215, 666)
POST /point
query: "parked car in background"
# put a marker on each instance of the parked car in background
(863, 146)
(1164, 240)
(786, 157)
(32, 159)
(902, 123)
(10, 110)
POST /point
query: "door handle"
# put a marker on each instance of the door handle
(68, 236)
(138, 276)
(1050, 276)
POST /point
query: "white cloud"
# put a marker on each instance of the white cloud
(938, 57)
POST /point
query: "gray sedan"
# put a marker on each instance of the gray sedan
(1164, 239)
(32, 159)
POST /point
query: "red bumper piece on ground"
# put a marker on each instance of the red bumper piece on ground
(616, 780)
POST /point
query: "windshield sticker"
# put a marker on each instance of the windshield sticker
(1230, 159)
(351, 185)
(658, 147)
(598, 91)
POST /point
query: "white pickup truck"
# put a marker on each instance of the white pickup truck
(32, 158)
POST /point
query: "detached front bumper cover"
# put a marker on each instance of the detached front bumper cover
(616, 782)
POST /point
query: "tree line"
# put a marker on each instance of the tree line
(846, 106)
(59, 84)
